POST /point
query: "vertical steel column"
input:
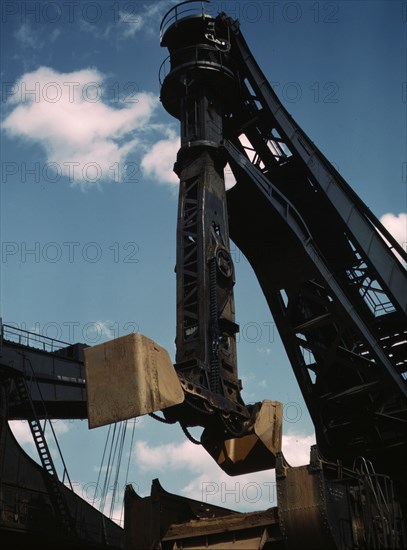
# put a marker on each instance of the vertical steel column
(205, 275)
(195, 91)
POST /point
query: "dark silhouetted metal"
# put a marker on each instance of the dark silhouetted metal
(327, 266)
(337, 293)
(42, 379)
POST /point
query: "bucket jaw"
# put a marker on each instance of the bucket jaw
(132, 376)
(255, 449)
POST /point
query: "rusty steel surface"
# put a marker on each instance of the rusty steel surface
(147, 519)
(168, 522)
(129, 377)
(323, 505)
(302, 511)
(250, 531)
(215, 525)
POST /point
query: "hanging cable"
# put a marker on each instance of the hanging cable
(108, 468)
(184, 429)
(189, 436)
(208, 410)
(118, 463)
(101, 466)
(128, 468)
(116, 443)
(161, 419)
(131, 448)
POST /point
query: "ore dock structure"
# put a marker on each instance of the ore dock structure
(337, 293)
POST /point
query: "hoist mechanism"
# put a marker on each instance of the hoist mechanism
(340, 310)
(334, 285)
(241, 438)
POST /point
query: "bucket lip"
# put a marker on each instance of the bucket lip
(174, 15)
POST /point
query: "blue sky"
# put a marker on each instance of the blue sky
(89, 200)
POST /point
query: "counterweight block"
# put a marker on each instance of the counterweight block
(253, 451)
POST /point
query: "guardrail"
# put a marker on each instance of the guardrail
(190, 8)
(30, 339)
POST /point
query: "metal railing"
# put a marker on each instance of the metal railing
(30, 339)
(190, 8)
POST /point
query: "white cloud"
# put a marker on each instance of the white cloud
(158, 163)
(28, 38)
(296, 448)
(133, 19)
(209, 483)
(54, 34)
(102, 331)
(396, 224)
(84, 138)
(146, 19)
(21, 431)
(60, 426)
(130, 23)
(96, 30)
(230, 180)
